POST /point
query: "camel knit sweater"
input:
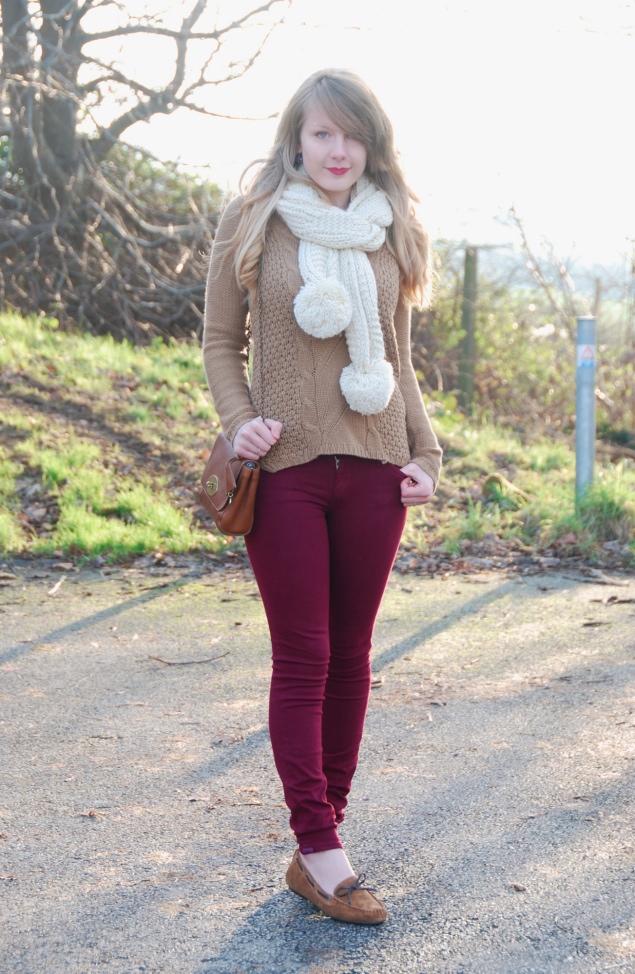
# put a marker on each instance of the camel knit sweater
(295, 377)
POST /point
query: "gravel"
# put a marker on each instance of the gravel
(142, 827)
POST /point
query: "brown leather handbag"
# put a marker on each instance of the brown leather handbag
(228, 488)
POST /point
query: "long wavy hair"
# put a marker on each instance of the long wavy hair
(354, 108)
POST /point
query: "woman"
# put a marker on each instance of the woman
(316, 267)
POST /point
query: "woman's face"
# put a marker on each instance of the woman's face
(332, 159)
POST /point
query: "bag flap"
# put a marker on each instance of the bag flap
(220, 473)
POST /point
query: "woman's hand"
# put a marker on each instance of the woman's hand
(418, 487)
(255, 438)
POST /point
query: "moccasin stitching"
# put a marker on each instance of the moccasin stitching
(357, 885)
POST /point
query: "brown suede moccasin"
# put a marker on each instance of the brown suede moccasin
(351, 901)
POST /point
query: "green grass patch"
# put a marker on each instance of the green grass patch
(159, 382)
(477, 522)
(102, 444)
(135, 521)
(604, 515)
(98, 510)
(545, 457)
(11, 532)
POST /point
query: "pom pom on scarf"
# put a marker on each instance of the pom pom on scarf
(323, 308)
(370, 391)
(340, 290)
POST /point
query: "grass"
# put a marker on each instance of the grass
(101, 445)
(496, 486)
(86, 505)
(11, 534)
(604, 515)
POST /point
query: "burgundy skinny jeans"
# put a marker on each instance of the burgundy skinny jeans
(323, 543)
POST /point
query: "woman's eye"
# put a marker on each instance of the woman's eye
(322, 135)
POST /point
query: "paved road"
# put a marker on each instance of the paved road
(141, 824)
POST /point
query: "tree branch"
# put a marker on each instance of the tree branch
(181, 47)
(88, 6)
(118, 247)
(176, 35)
(16, 24)
(534, 267)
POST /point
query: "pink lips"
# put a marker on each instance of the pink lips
(338, 172)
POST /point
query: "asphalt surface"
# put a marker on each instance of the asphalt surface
(142, 827)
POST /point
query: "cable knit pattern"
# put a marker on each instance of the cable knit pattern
(294, 376)
(340, 290)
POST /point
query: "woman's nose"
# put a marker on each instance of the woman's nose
(338, 149)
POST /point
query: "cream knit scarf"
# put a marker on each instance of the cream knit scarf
(340, 290)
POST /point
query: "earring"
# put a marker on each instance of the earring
(298, 160)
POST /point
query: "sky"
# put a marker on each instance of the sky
(493, 102)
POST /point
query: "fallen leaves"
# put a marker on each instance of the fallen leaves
(566, 540)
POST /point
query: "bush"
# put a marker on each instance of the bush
(125, 255)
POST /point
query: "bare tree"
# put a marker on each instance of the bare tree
(552, 277)
(75, 239)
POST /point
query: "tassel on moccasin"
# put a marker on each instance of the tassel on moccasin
(352, 902)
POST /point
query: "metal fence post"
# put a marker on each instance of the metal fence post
(585, 405)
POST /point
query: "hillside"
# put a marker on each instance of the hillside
(101, 445)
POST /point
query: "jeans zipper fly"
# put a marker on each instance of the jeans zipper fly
(337, 462)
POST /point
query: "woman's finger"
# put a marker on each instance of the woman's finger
(413, 492)
(274, 427)
(255, 438)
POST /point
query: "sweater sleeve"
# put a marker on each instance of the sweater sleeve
(424, 447)
(225, 334)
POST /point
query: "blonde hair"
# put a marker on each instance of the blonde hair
(353, 107)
